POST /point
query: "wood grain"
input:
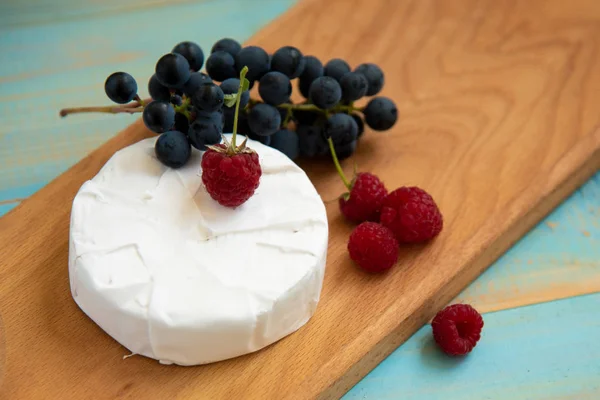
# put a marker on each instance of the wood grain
(498, 123)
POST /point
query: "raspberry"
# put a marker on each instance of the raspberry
(230, 179)
(373, 247)
(364, 201)
(457, 329)
(411, 214)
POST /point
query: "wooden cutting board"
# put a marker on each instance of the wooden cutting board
(499, 109)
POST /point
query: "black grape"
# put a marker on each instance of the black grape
(227, 45)
(173, 70)
(120, 87)
(289, 61)
(264, 119)
(304, 87)
(266, 140)
(182, 124)
(275, 88)
(287, 142)
(256, 59)
(228, 116)
(243, 128)
(354, 86)
(359, 123)
(325, 92)
(341, 128)
(176, 100)
(173, 149)
(344, 151)
(157, 90)
(221, 66)
(215, 116)
(374, 75)
(336, 68)
(204, 131)
(311, 141)
(381, 113)
(159, 116)
(231, 86)
(313, 69)
(193, 84)
(192, 53)
(209, 97)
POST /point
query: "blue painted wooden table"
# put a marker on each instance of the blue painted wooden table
(541, 299)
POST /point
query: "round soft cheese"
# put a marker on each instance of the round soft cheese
(172, 275)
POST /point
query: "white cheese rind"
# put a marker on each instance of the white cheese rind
(172, 275)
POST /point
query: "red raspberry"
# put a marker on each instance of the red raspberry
(373, 247)
(411, 214)
(457, 329)
(230, 179)
(363, 203)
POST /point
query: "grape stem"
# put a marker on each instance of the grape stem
(288, 116)
(338, 167)
(312, 107)
(139, 100)
(183, 108)
(131, 108)
(238, 98)
(138, 106)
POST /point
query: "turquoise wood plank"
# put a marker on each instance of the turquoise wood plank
(546, 351)
(40, 12)
(65, 62)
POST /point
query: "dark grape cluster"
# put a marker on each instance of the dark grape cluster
(329, 90)
(190, 108)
